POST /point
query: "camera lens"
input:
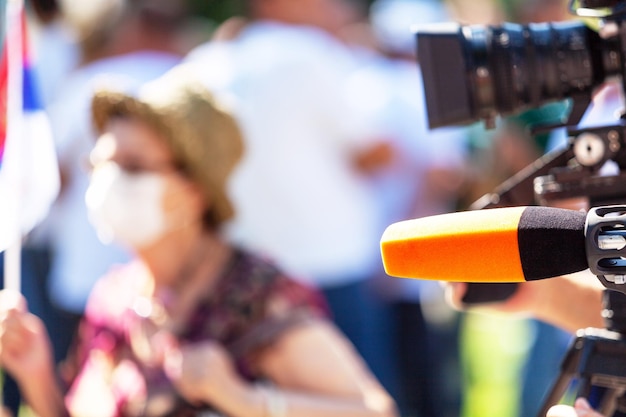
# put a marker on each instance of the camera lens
(478, 72)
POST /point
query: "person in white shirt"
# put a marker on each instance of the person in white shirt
(302, 194)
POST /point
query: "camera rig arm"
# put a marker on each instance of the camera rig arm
(518, 190)
(569, 173)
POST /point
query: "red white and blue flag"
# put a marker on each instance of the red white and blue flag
(29, 176)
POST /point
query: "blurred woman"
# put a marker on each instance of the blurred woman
(193, 325)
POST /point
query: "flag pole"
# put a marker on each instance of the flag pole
(12, 28)
(12, 255)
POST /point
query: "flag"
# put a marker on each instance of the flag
(29, 175)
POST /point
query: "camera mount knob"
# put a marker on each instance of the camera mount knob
(589, 149)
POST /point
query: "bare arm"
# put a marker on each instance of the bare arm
(26, 354)
(44, 395)
(316, 372)
(570, 302)
(374, 158)
(317, 359)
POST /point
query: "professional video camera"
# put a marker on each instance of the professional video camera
(477, 72)
(474, 73)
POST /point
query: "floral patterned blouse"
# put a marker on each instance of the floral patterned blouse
(110, 371)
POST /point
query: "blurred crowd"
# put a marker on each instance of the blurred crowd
(329, 100)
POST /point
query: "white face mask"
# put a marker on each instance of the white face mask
(126, 208)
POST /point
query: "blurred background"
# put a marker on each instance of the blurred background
(441, 363)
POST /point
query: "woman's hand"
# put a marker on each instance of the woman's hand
(581, 409)
(203, 373)
(25, 350)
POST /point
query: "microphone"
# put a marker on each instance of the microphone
(512, 244)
